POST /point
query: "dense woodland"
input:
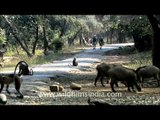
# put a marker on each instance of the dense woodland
(50, 33)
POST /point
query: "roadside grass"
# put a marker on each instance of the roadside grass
(140, 59)
(137, 59)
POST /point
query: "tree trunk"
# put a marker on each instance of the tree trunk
(13, 31)
(111, 35)
(82, 39)
(107, 35)
(45, 40)
(155, 41)
(35, 43)
(71, 40)
(120, 37)
(17, 49)
(124, 38)
(63, 29)
(25, 43)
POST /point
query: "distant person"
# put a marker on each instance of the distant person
(101, 42)
(94, 41)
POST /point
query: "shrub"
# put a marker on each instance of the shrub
(58, 45)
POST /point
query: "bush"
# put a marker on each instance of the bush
(58, 45)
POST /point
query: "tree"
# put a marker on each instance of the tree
(140, 29)
(14, 31)
(156, 40)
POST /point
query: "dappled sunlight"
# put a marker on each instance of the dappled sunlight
(122, 44)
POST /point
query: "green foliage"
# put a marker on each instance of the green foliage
(58, 44)
(62, 27)
(56, 26)
(2, 37)
(139, 25)
(140, 29)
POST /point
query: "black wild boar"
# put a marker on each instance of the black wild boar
(123, 74)
(102, 71)
(148, 72)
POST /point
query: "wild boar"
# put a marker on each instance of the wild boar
(148, 72)
(102, 71)
(123, 74)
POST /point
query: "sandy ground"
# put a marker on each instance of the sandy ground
(36, 88)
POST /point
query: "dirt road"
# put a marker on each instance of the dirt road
(85, 59)
(36, 88)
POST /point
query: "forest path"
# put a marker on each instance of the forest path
(85, 59)
(60, 71)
